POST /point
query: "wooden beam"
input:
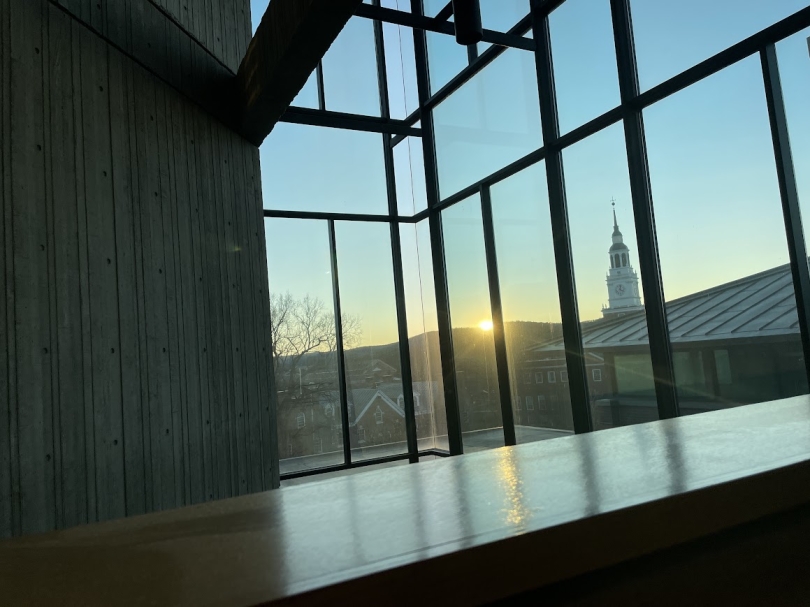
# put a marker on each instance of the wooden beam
(292, 37)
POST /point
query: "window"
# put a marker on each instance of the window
(491, 121)
(420, 303)
(585, 72)
(740, 290)
(473, 340)
(592, 166)
(709, 150)
(723, 367)
(366, 278)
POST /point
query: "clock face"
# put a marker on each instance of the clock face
(620, 289)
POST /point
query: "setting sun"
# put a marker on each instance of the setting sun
(485, 325)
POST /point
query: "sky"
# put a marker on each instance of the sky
(715, 192)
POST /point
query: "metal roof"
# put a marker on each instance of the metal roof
(757, 306)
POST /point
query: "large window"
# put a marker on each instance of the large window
(475, 247)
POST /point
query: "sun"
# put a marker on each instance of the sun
(485, 325)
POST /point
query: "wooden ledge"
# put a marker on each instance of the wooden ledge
(463, 530)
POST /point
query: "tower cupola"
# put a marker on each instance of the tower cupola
(622, 280)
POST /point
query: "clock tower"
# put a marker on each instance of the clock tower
(622, 280)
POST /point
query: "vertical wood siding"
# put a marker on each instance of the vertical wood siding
(134, 342)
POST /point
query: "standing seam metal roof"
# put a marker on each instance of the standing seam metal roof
(760, 305)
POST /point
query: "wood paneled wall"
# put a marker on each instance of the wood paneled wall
(221, 26)
(135, 366)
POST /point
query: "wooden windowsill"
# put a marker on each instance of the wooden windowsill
(459, 530)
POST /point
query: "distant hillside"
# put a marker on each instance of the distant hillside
(520, 335)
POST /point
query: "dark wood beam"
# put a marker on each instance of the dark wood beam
(292, 37)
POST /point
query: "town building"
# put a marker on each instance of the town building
(733, 344)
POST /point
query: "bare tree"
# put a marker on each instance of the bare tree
(304, 349)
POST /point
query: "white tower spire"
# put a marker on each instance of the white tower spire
(622, 280)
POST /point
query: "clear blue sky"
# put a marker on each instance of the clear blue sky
(713, 177)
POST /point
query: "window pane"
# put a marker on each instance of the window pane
(673, 36)
(306, 168)
(257, 10)
(409, 172)
(446, 58)
(400, 62)
(531, 305)
(491, 121)
(614, 327)
(731, 306)
(303, 331)
(501, 16)
(585, 73)
(432, 7)
(794, 67)
(308, 95)
(473, 343)
(426, 367)
(370, 339)
(350, 70)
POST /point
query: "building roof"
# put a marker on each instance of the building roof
(360, 399)
(370, 397)
(757, 306)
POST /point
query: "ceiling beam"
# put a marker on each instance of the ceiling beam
(292, 37)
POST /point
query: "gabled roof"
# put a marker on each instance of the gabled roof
(757, 306)
(375, 396)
